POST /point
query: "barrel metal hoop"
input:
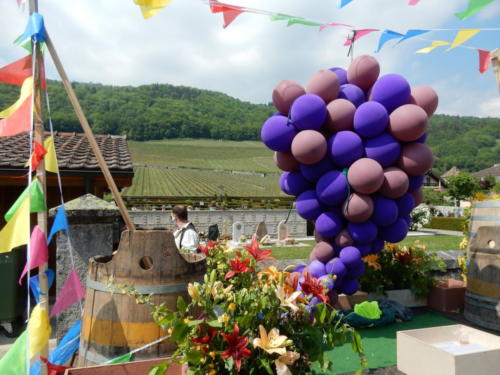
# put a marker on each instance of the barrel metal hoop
(483, 305)
(483, 298)
(486, 204)
(142, 289)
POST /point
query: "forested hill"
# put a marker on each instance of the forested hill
(159, 111)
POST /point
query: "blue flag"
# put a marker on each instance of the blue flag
(35, 284)
(411, 33)
(60, 223)
(386, 36)
(343, 3)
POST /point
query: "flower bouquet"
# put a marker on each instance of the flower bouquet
(249, 318)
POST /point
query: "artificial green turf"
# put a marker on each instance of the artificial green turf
(379, 344)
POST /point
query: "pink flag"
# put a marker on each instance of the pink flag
(331, 24)
(71, 292)
(413, 2)
(39, 253)
(359, 34)
(230, 16)
(484, 60)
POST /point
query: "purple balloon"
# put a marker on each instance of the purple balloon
(407, 218)
(327, 282)
(392, 91)
(332, 188)
(384, 148)
(345, 147)
(316, 268)
(370, 119)
(356, 270)
(377, 246)
(405, 204)
(293, 183)
(364, 232)
(299, 268)
(308, 206)
(350, 256)
(277, 133)
(350, 286)
(352, 93)
(336, 267)
(364, 249)
(422, 138)
(313, 172)
(416, 183)
(385, 211)
(308, 112)
(396, 232)
(342, 74)
(329, 224)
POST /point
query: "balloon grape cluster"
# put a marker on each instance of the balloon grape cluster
(351, 146)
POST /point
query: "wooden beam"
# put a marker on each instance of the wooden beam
(88, 132)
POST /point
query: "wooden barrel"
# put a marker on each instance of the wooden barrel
(113, 324)
(482, 297)
(484, 213)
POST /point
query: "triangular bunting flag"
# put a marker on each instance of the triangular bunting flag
(463, 36)
(386, 36)
(50, 158)
(16, 232)
(359, 34)
(19, 121)
(60, 222)
(53, 369)
(37, 200)
(281, 17)
(412, 33)
(35, 29)
(413, 2)
(484, 60)
(343, 3)
(230, 16)
(473, 7)
(26, 92)
(14, 361)
(35, 283)
(16, 72)
(332, 24)
(299, 21)
(150, 8)
(71, 292)
(122, 359)
(39, 253)
(39, 330)
(435, 44)
(37, 156)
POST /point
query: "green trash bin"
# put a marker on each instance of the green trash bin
(13, 296)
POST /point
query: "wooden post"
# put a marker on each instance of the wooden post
(40, 175)
(495, 59)
(90, 135)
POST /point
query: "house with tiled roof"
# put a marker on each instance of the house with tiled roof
(78, 167)
(453, 171)
(491, 171)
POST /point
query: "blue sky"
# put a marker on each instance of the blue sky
(109, 42)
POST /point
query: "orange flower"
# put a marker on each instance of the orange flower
(372, 261)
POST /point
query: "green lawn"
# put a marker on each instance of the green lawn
(433, 243)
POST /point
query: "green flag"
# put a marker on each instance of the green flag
(302, 22)
(14, 361)
(474, 7)
(124, 358)
(281, 17)
(37, 203)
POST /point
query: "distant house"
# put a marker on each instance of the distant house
(434, 181)
(80, 173)
(491, 171)
(450, 173)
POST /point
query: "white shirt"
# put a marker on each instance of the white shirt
(190, 239)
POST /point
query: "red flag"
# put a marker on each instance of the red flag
(217, 7)
(484, 60)
(71, 292)
(38, 153)
(15, 73)
(230, 11)
(230, 16)
(19, 121)
(54, 369)
(359, 34)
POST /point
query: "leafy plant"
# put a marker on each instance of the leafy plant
(462, 186)
(407, 267)
(420, 216)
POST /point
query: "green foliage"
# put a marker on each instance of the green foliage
(486, 183)
(447, 223)
(434, 197)
(496, 188)
(462, 186)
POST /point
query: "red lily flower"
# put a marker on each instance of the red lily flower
(237, 346)
(207, 248)
(203, 341)
(257, 254)
(238, 266)
(312, 285)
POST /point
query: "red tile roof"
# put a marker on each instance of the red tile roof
(73, 151)
(494, 171)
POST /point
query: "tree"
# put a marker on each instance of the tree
(433, 197)
(462, 186)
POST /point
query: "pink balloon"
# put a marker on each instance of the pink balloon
(318, 237)
(358, 208)
(395, 184)
(285, 93)
(365, 176)
(286, 162)
(408, 123)
(309, 146)
(425, 97)
(418, 195)
(344, 238)
(325, 84)
(415, 159)
(340, 115)
(323, 252)
(363, 71)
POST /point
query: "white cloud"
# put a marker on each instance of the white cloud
(109, 42)
(491, 108)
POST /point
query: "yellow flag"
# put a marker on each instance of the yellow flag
(51, 157)
(26, 91)
(462, 36)
(39, 330)
(150, 8)
(17, 231)
(435, 44)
